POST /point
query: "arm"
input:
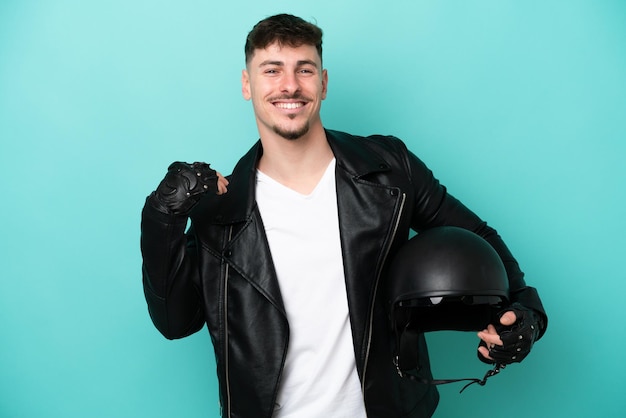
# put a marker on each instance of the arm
(434, 206)
(170, 271)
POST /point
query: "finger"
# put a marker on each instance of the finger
(508, 318)
(490, 339)
(221, 177)
(490, 330)
(484, 352)
(221, 188)
(490, 336)
(221, 184)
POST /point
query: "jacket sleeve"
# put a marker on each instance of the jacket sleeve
(169, 273)
(434, 206)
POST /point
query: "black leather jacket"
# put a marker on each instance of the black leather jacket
(221, 273)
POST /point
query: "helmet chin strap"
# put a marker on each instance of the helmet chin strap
(407, 342)
(496, 369)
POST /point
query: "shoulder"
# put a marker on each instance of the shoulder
(377, 149)
(389, 142)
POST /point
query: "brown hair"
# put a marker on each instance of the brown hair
(284, 29)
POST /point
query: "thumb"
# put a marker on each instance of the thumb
(508, 318)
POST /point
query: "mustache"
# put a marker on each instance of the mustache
(295, 96)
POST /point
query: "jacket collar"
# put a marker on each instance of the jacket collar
(356, 160)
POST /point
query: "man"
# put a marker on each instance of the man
(284, 260)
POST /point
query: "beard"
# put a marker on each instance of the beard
(292, 134)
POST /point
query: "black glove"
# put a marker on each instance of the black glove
(183, 187)
(517, 339)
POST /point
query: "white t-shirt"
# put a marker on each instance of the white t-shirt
(319, 378)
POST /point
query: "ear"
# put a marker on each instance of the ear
(245, 85)
(324, 83)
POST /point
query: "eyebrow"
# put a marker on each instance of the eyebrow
(281, 63)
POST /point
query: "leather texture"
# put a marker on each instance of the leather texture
(220, 273)
(517, 339)
(183, 186)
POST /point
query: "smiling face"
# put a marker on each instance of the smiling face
(286, 85)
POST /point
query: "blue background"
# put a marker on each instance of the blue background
(519, 107)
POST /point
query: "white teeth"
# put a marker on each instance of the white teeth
(289, 105)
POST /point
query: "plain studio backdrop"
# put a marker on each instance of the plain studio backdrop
(519, 107)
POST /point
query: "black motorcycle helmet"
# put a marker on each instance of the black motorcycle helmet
(444, 278)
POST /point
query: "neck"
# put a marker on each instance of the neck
(298, 164)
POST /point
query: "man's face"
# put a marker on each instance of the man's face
(286, 86)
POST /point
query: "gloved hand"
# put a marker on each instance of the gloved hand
(508, 342)
(183, 186)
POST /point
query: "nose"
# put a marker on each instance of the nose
(289, 83)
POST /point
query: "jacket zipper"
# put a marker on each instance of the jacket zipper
(371, 314)
(226, 342)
